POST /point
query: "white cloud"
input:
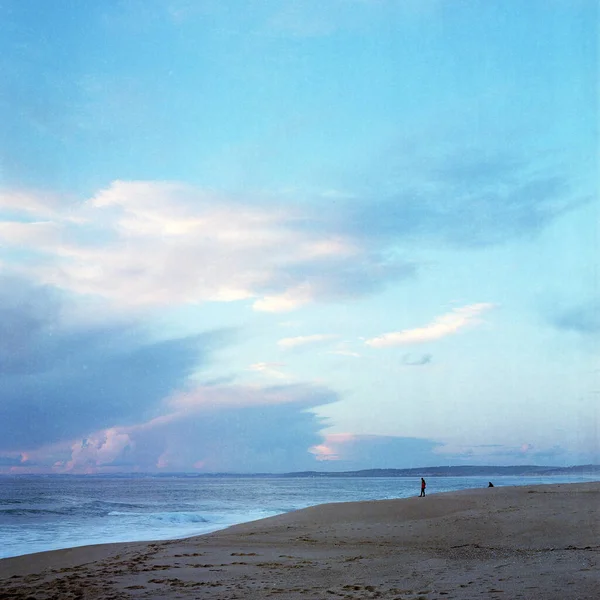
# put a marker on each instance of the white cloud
(345, 348)
(345, 353)
(440, 327)
(42, 205)
(304, 340)
(43, 235)
(155, 243)
(271, 369)
(289, 300)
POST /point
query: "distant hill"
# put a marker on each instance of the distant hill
(461, 471)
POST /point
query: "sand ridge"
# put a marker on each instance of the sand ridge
(515, 542)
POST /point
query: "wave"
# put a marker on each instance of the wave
(33, 511)
(89, 509)
(11, 501)
(105, 505)
(175, 518)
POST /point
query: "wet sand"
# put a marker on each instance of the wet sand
(506, 543)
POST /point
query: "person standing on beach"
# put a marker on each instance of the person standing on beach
(423, 486)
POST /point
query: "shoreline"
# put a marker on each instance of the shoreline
(519, 541)
(97, 533)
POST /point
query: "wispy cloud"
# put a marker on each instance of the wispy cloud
(453, 197)
(583, 319)
(286, 301)
(40, 204)
(440, 327)
(203, 399)
(306, 340)
(271, 369)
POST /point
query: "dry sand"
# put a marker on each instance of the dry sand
(513, 542)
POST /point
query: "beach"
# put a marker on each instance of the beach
(538, 541)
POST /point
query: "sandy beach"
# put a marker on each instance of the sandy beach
(513, 542)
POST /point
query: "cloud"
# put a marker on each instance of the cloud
(288, 300)
(265, 430)
(459, 197)
(345, 353)
(583, 319)
(211, 428)
(156, 243)
(38, 204)
(203, 399)
(329, 449)
(271, 369)
(99, 449)
(345, 348)
(306, 340)
(147, 243)
(442, 326)
(416, 361)
(59, 380)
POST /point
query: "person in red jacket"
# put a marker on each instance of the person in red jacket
(423, 486)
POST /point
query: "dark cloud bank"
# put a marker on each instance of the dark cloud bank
(59, 382)
(61, 386)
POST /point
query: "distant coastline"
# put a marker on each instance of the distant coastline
(440, 471)
(460, 471)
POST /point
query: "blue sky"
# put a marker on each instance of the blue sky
(286, 235)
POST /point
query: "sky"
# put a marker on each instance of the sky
(284, 235)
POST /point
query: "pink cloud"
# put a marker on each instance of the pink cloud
(163, 461)
(332, 446)
(99, 449)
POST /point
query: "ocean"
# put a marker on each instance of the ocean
(40, 513)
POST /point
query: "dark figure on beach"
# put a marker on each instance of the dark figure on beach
(490, 484)
(423, 486)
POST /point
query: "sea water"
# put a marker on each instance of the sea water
(40, 513)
